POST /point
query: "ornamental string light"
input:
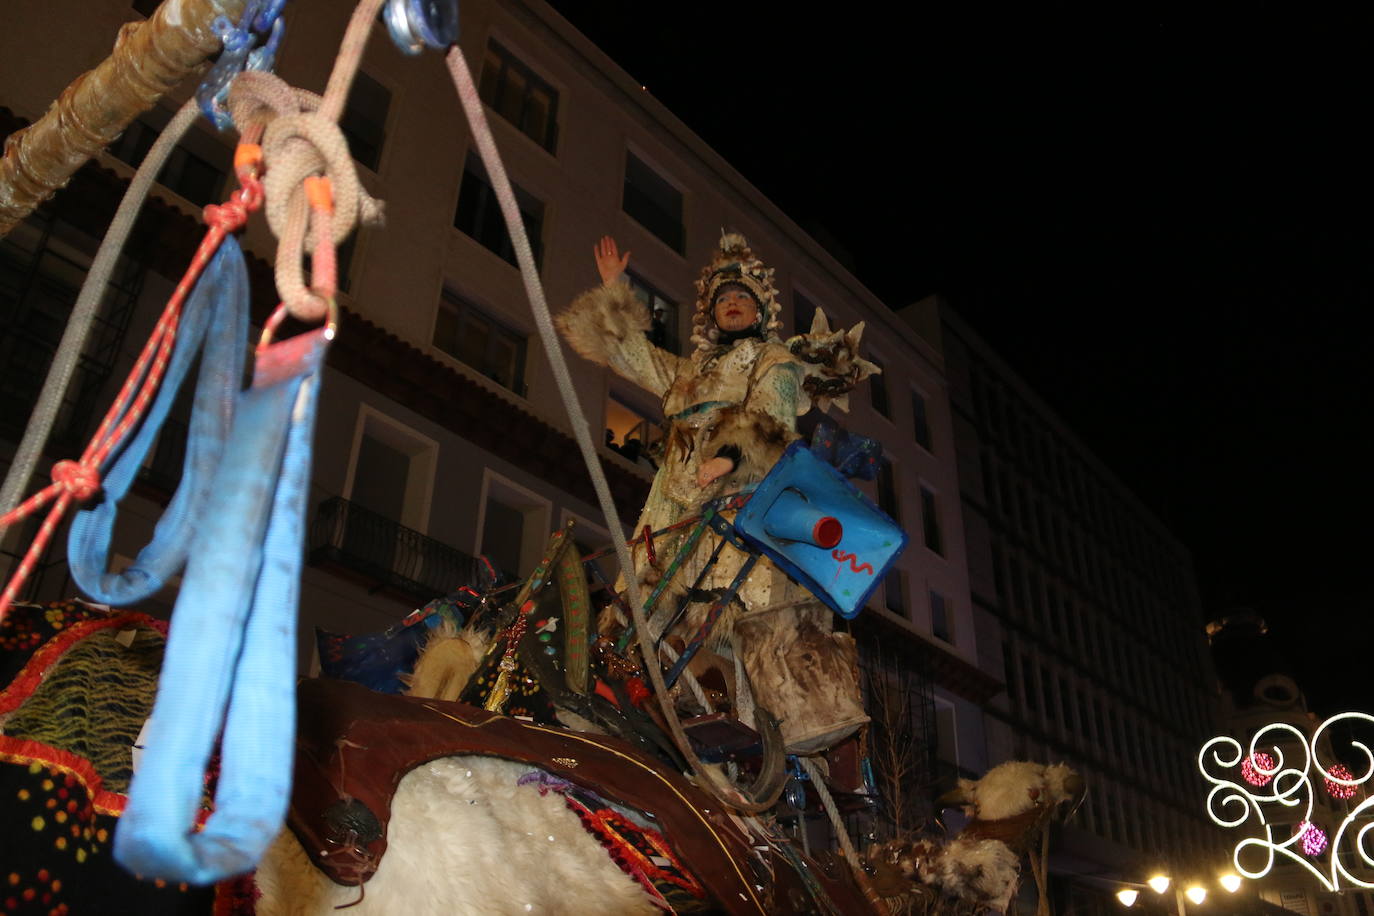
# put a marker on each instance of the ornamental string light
(1258, 769)
(1339, 782)
(1287, 793)
(1313, 838)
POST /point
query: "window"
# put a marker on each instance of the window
(514, 525)
(479, 214)
(470, 336)
(930, 522)
(392, 471)
(989, 479)
(895, 587)
(662, 313)
(377, 527)
(999, 576)
(363, 121)
(43, 262)
(939, 617)
(521, 97)
(653, 202)
(946, 732)
(887, 490)
(803, 311)
(196, 169)
(920, 423)
(877, 390)
(630, 431)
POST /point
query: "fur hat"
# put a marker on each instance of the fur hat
(735, 263)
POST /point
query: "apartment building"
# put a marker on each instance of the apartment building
(1088, 613)
(440, 434)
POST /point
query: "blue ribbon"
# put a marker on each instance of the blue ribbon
(231, 655)
(230, 662)
(216, 317)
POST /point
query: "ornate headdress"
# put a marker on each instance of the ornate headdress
(735, 263)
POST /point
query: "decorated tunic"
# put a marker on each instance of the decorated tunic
(741, 401)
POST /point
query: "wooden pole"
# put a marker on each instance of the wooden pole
(149, 58)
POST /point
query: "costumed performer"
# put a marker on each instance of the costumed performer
(731, 410)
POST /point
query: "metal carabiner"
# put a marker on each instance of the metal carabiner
(269, 327)
(239, 54)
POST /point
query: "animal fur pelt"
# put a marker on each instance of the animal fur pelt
(833, 364)
(464, 838)
(980, 867)
(759, 438)
(976, 873)
(797, 664)
(600, 320)
(446, 663)
(1014, 799)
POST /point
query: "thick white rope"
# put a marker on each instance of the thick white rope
(693, 684)
(87, 306)
(529, 274)
(841, 833)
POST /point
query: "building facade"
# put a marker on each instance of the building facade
(440, 435)
(1040, 612)
(1088, 613)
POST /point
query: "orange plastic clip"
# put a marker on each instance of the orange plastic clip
(247, 155)
(320, 193)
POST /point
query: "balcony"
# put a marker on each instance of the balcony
(385, 555)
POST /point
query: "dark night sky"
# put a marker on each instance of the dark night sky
(1161, 217)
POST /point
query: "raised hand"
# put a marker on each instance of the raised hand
(610, 263)
(713, 469)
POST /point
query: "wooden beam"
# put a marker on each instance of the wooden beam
(148, 60)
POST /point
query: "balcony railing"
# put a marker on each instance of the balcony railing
(386, 552)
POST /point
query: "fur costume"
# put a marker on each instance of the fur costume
(739, 400)
(1009, 807)
(463, 840)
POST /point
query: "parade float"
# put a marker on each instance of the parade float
(515, 747)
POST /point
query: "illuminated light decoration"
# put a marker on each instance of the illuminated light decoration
(1258, 769)
(1197, 893)
(1339, 782)
(1159, 883)
(1230, 882)
(1127, 896)
(1261, 813)
(1313, 838)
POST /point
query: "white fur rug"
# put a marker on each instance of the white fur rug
(464, 839)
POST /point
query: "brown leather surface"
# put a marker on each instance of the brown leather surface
(355, 745)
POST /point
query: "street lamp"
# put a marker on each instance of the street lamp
(1195, 892)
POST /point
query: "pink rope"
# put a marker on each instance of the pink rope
(80, 480)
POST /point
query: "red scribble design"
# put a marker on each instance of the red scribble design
(853, 566)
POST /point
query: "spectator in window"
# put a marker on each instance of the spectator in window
(731, 408)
